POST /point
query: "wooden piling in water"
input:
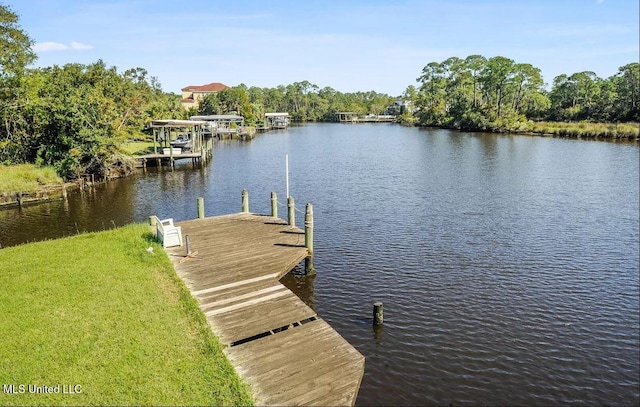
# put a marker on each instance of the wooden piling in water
(245, 201)
(308, 239)
(19, 198)
(378, 313)
(291, 213)
(64, 192)
(274, 205)
(308, 228)
(200, 208)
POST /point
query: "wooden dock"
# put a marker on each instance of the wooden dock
(280, 346)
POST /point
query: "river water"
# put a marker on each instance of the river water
(507, 265)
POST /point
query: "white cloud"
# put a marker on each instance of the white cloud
(56, 46)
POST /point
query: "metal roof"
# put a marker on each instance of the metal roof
(176, 123)
(276, 114)
(218, 117)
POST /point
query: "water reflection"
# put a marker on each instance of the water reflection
(302, 285)
(509, 264)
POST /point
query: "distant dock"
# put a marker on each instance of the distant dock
(353, 117)
(280, 346)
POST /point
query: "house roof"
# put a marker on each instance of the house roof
(209, 87)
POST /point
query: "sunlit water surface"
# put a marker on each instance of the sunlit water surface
(507, 265)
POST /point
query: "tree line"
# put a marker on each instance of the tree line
(303, 101)
(497, 94)
(75, 117)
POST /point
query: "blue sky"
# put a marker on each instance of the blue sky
(349, 45)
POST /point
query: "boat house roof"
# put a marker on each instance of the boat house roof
(176, 123)
(218, 117)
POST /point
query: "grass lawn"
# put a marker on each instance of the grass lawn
(99, 311)
(26, 178)
(137, 147)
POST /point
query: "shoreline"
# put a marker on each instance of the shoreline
(54, 192)
(561, 133)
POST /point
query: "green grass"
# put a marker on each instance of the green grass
(101, 311)
(26, 178)
(137, 147)
(586, 129)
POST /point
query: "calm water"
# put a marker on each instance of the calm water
(508, 265)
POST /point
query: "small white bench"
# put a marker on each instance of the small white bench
(167, 232)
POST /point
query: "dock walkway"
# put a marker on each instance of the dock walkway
(279, 345)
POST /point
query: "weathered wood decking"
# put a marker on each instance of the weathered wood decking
(278, 344)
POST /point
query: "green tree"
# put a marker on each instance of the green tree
(627, 85)
(15, 56)
(495, 79)
(15, 45)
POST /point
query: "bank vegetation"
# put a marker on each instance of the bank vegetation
(81, 119)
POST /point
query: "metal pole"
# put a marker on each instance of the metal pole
(286, 169)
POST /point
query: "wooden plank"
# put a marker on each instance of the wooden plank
(247, 322)
(317, 363)
(245, 304)
(235, 284)
(235, 279)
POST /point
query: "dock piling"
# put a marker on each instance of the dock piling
(245, 201)
(308, 228)
(274, 204)
(186, 239)
(308, 239)
(200, 208)
(378, 313)
(291, 206)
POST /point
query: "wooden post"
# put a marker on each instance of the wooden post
(291, 206)
(308, 229)
(245, 201)
(152, 224)
(19, 198)
(64, 192)
(378, 313)
(274, 205)
(308, 240)
(200, 208)
(186, 239)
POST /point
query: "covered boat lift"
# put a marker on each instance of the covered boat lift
(166, 131)
(276, 120)
(221, 124)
